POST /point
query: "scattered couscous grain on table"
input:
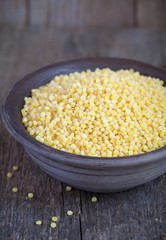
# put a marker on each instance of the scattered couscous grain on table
(9, 175)
(100, 113)
(15, 189)
(15, 168)
(30, 195)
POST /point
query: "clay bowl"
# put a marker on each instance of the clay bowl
(87, 173)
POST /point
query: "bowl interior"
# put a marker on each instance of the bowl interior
(14, 100)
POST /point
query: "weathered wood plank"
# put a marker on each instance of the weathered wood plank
(135, 214)
(138, 44)
(9, 48)
(62, 13)
(13, 12)
(38, 12)
(151, 13)
(163, 47)
(94, 13)
(105, 13)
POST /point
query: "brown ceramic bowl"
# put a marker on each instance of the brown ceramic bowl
(88, 173)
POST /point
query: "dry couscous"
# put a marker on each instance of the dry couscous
(30, 195)
(100, 113)
(9, 175)
(15, 189)
(15, 168)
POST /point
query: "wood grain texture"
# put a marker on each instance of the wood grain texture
(13, 12)
(135, 214)
(163, 46)
(10, 42)
(38, 12)
(84, 13)
(94, 13)
(151, 13)
(105, 13)
(62, 13)
(140, 44)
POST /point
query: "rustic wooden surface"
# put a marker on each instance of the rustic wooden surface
(136, 214)
(84, 13)
(151, 13)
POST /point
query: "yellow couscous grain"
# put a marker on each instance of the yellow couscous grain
(94, 199)
(69, 213)
(9, 175)
(54, 219)
(30, 195)
(101, 113)
(15, 189)
(15, 168)
(53, 225)
(68, 188)
(38, 222)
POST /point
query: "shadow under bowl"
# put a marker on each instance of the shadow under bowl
(95, 174)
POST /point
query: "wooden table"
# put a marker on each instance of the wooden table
(139, 213)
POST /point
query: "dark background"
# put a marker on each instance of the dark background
(34, 33)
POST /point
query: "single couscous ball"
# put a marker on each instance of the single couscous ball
(100, 113)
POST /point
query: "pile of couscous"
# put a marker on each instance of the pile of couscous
(100, 113)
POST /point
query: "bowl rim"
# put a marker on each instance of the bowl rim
(74, 159)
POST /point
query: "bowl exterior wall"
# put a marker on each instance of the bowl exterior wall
(114, 179)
